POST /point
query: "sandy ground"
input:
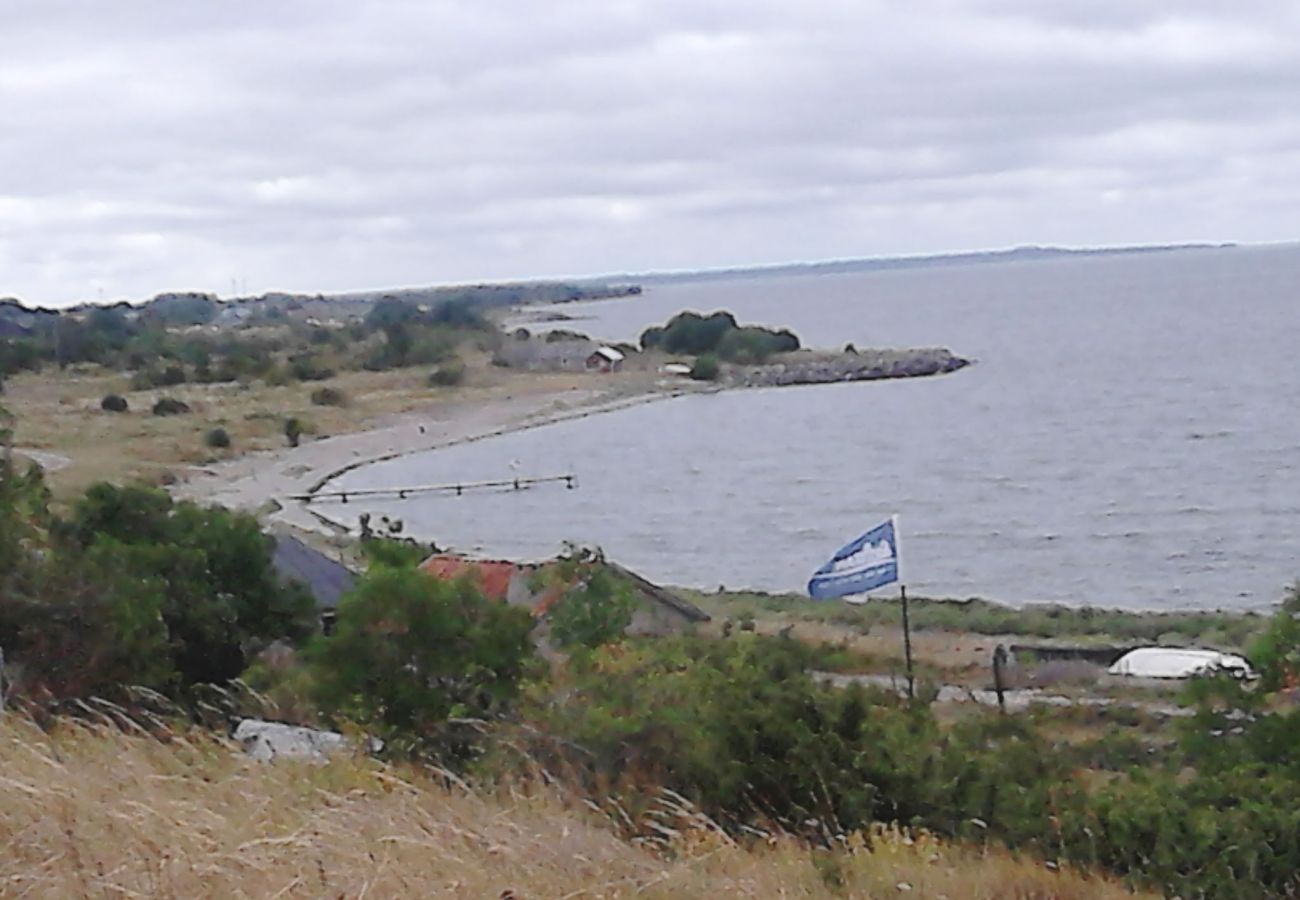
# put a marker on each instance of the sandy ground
(263, 482)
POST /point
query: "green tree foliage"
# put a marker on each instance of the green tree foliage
(220, 597)
(181, 309)
(718, 333)
(706, 368)
(385, 548)
(293, 430)
(134, 590)
(1277, 652)
(741, 728)
(596, 611)
(390, 312)
(412, 655)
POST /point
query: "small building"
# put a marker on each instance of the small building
(326, 579)
(605, 359)
(658, 610)
(540, 355)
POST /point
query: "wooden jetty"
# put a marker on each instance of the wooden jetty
(457, 489)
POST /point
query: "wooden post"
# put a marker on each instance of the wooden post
(907, 645)
(999, 664)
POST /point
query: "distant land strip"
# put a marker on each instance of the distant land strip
(870, 264)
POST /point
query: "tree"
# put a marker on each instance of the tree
(411, 652)
(219, 595)
(596, 612)
(388, 312)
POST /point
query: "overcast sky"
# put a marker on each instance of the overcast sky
(314, 145)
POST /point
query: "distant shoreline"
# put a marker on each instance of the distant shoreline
(886, 263)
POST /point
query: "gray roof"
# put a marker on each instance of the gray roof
(689, 611)
(327, 579)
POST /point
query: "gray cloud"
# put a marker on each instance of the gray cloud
(321, 145)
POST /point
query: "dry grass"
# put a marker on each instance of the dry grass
(87, 811)
(60, 413)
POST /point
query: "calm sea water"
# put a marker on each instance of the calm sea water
(1129, 437)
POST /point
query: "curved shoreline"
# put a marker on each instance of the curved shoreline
(260, 483)
(263, 482)
(580, 413)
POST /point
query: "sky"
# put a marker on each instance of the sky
(311, 145)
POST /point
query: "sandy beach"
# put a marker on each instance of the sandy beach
(262, 482)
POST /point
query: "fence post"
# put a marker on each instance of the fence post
(999, 665)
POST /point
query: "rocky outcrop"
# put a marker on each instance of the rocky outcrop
(866, 365)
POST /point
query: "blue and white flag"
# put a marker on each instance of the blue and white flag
(867, 562)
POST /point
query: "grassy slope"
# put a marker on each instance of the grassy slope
(93, 812)
(60, 413)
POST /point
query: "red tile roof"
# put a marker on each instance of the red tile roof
(492, 576)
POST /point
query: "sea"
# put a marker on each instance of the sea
(1128, 436)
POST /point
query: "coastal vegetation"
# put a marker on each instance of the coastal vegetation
(133, 591)
(719, 334)
(123, 605)
(1086, 624)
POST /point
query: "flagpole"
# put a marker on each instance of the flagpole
(907, 644)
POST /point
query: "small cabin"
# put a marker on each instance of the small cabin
(605, 359)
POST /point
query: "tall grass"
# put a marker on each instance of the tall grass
(90, 811)
(1230, 630)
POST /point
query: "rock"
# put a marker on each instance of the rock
(267, 741)
(864, 365)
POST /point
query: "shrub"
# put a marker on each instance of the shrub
(304, 368)
(293, 431)
(448, 375)
(114, 403)
(217, 439)
(135, 589)
(410, 651)
(170, 406)
(595, 613)
(706, 368)
(170, 376)
(328, 396)
(428, 347)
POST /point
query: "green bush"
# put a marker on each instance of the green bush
(135, 589)
(217, 439)
(305, 368)
(740, 728)
(114, 403)
(170, 406)
(328, 396)
(448, 375)
(706, 368)
(410, 652)
(718, 333)
(596, 612)
(293, 429)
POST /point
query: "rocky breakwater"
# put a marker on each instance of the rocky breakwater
(864, 365)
